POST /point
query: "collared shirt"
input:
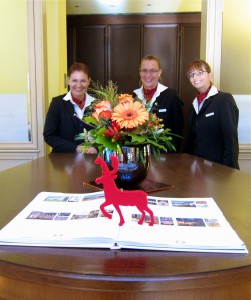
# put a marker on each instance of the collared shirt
(79, 112)
(202, 96)
(149, 93)
(140, 94)
(213, 91)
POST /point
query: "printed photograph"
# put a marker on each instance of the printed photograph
(93, 197)
(81, 216)
(152, 201)
(201, 203)
(110, 211)
(190, 222)
(148, 219)
(137, 217)
(40, 215)
(180, 203)
(212, 222)
(62, 216)
(75, 199)
(163, 202)
(93, 214)
(56, 198)
(166, 221)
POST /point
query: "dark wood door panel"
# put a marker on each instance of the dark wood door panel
(189, 50)
(124, 56)
(88, 44)
(163, 41)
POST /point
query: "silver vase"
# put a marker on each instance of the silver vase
(134, 163)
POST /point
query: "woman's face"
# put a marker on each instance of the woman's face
(149, 73)
(78, 83)
(200, 79)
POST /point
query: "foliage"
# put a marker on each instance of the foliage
(121, 120)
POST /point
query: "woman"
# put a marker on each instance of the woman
(213, 119)
(64, 118)
(159, 98)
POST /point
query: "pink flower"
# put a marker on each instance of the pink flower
(102, 110)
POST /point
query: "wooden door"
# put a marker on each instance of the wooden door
(163, 41)
(113, 46)
(124, 56)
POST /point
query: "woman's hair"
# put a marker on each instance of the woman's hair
(198, 64)
(151, 57)
(79, 67)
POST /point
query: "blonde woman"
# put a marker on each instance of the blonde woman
(159, 98)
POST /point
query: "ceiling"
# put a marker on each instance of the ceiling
(77, 7)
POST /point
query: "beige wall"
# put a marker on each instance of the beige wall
(14, 47)
(55, 50)
(236, 47)
(55, 54)
(236, 69)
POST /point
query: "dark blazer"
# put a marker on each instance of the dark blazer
(169, 108)
(213, 134)
(61, 126)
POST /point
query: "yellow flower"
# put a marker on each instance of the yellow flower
(130, 115)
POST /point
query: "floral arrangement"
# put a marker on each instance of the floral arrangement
(121, 120)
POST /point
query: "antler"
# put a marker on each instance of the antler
(99, 160)
(115, 164)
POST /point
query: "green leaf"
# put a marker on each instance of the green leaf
(106, 142)
(90, 120)
(137, 138)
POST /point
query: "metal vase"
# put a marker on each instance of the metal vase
(134, 163)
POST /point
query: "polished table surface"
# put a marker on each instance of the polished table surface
(62, 273)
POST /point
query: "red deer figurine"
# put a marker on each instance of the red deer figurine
(118, 197)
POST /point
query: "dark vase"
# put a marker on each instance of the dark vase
(134, 165)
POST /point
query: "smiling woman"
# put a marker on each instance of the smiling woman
(64, 117)
(213, 119)
(160, 99)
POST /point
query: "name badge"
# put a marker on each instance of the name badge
(162, 110)
(209, 115)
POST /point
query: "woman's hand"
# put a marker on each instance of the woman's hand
(90, 150)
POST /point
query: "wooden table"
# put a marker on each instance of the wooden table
(75, 274)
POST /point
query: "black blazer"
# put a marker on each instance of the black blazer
(169, 108)
(213, 134)
(61, 126)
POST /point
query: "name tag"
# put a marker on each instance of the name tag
(209, 115)
(162, 110)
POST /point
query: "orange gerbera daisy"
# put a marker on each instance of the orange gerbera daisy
(130, 115)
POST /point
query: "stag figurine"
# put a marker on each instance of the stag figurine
(117, 197)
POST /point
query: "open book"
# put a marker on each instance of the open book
(75, 220)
